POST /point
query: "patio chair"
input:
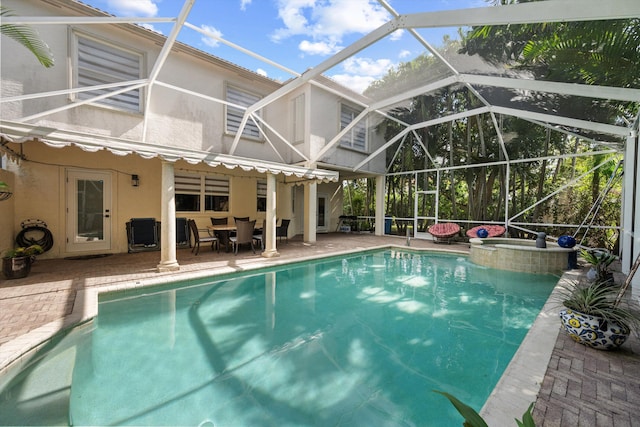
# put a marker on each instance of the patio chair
(493, 230)
(240, 218)
(182, 232)
(244, 235)
(143, 234)
(444, 231)
(283, 230)
(223, 236)
(258, 235)
(205, 239)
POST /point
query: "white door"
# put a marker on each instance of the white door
(88, 210)
(322, 218)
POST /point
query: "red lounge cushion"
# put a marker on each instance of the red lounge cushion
(494, 230)
(444, 229)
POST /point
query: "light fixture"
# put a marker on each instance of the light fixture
(135, 180)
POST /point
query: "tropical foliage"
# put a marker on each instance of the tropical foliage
(561, 185)
(27, 37)
(473, 419)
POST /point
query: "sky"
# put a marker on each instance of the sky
(297, 34)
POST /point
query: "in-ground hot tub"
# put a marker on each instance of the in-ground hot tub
(519, 255)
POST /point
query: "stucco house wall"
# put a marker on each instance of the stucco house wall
(190, 119)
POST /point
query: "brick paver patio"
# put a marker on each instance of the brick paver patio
(582, 386)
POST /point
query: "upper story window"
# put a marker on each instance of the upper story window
(356, 138)
(200, 193)
(98, 63)
(234, 115)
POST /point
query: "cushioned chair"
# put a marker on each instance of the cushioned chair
(218, 221)
(223, 236)
(244, 235)
(444, 231)
(204, 239)
(258, 235)
(182, 232)
(283, 230)
(143, 234)
(493, 230)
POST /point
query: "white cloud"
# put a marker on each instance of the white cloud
(404, 53)
(367, 67)
(134, 8)
(150, 27)
(261, 72)
(318, 48)
(244, 4)
(208, 40)
(328, 21)
(355, 83)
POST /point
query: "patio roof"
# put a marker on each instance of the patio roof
(24, 133)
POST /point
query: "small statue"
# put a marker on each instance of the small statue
(541, 241)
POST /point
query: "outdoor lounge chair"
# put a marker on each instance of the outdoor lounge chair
(143, 234)
(444, 231)
(205, 239)
(182, 232)
(244, 235)
(493, 230)
(258, 235)
(283, 230)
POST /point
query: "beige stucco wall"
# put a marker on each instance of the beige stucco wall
(7, 234)
(41, 193)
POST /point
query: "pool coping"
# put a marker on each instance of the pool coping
(517, 388)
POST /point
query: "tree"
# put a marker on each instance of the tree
(28, 38)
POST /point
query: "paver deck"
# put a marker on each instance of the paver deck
(582, 386)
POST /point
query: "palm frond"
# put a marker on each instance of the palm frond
(27, 37)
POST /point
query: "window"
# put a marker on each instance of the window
(356, 137)
(98, 63)
(234, 115)
(194, 191)
(262, 195)
(298, 119)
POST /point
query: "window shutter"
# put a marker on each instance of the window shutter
(234, 115)
(100, 63)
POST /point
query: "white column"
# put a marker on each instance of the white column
(168, 261)
(310, 211)
(380, 190)
(270, 250)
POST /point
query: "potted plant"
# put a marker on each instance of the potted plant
(600, 262)
(16, 263)
(593, 315)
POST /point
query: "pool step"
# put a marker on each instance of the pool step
(41, 394)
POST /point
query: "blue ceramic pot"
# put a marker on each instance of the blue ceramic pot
(593, 331)
(482, 233)
(566, 241)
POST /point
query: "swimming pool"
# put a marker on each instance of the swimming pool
(360, 340)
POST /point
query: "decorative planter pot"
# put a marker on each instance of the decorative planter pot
(16, 268)
(593, 331)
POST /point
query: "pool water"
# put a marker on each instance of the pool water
(357, 341)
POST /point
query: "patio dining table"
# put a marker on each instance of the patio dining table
(223, 232)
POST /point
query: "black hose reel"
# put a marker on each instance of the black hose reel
(35, 232)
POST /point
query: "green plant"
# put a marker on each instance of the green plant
(597, 299)
(24, 251)
(600, 261)
(473, 419)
